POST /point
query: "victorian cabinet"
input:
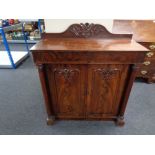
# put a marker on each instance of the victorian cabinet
(144, 33)
(87, 73)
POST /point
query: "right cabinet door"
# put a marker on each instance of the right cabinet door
(105, 88)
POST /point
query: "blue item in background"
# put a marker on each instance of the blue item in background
(3, 30)
(5, 23)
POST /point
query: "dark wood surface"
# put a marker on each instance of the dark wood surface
(87, 78)
(143, 32)
(80, 44)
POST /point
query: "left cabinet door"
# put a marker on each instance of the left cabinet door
(67, 89)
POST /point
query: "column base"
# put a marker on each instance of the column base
(120, 121)
(50, 120)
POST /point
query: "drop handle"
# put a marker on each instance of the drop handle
(143, 72)
(147, 63)
(150, 54)
(152, 47)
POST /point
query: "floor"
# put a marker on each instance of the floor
(22, 111)
(18, 53)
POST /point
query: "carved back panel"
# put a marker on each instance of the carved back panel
(87, 31)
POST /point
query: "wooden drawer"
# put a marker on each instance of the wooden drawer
(147, 68)
(147, 64)
(149, 45)
(149, 59)
(85, 57)
(150, 55)
(143, 72)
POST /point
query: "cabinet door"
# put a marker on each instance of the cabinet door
(105, 87)
(67, 84)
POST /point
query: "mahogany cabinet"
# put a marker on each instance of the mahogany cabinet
(144, 33)
(87, 73)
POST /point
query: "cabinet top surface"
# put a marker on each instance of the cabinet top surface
(82, 44)
(142, 30)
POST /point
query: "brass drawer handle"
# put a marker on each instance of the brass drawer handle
(150, 54)
(152, 47)
(147, 63)
(143, 72)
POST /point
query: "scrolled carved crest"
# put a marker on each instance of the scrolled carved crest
(87, 30)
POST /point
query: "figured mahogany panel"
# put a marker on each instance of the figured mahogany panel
(105, 86)
(81, 57)
(66, 84)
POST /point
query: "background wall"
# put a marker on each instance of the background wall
(60, 25)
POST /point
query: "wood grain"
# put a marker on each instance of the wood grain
(144, 33)
(68, 82)
(85, 77)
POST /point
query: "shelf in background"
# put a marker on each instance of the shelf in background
(28, 20)
(18, 57)
(11, 27)
(22, 41)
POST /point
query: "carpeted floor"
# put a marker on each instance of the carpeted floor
(22, 110)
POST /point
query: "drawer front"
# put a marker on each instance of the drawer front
(147, 64)
(152, 47)
(150, 55)
(147, 68)
(149, 59)
(146, 72)
(149, 45)
(88, 57)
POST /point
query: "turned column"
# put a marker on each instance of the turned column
(50, 116)
(132, 75)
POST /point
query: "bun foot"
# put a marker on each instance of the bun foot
(120, 121)
(50, 120)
